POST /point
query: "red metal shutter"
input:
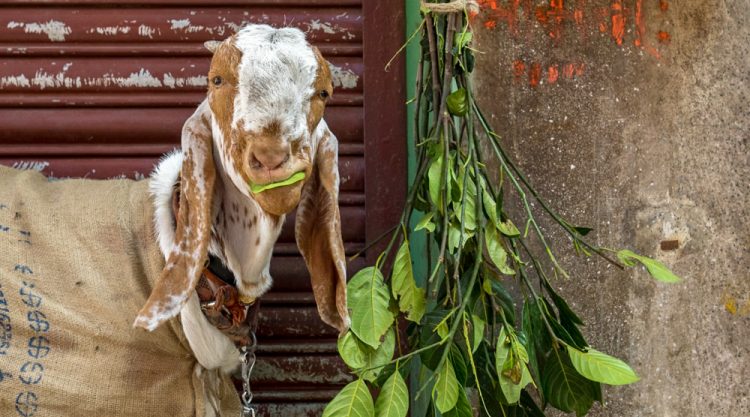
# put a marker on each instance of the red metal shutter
(93, 88)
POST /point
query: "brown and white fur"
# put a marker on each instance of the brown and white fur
(261, 122)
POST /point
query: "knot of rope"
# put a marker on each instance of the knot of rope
(456, 6)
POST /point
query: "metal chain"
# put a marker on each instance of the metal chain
(247, 357)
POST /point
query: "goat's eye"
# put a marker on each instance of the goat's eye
(323, 94)
(217, 80)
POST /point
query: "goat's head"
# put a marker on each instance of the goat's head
(267, 91)
(263, 116)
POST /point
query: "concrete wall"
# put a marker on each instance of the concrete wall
(632, 117)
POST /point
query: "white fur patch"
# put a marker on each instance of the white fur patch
(276, 77)
(211, 348)
(162, 183)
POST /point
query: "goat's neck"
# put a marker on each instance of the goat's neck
(243, 235)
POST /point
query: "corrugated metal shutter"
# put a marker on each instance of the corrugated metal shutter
(101, 88)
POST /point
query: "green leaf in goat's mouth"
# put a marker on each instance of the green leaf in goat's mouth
(259, 188)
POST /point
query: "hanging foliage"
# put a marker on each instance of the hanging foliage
(466, 341)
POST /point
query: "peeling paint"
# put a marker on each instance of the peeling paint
(140, 79)
(331, 29)
(172, 82)
(148, 31)
(179, 23)
(110, 30)
(55, 30)
(343, 77)
(15, 81)
(30, 165)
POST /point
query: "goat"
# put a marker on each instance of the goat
(253, 150)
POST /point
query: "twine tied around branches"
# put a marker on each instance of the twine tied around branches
(456, 6)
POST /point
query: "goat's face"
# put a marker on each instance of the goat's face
(267, 91)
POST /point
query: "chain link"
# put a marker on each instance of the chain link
(247, 357)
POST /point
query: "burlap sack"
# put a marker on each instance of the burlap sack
(78, 259)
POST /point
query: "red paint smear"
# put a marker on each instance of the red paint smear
(579, 69)
(601, 14)
(640, 26)
(508, 14)
(554, 16)
(490, 24)
(535, 73)
(663, 36)
(663, 5)
(568, 71)
(618, 21)
(552, 74)
(518, 69)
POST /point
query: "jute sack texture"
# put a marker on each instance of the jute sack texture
(78, 259)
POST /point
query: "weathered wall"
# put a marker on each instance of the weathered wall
(632, 117)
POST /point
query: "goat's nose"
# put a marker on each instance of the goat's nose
(269, 158)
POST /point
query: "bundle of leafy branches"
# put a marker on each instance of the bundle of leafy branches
(466, 343)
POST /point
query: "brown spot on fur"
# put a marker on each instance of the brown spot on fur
(322, 82)
(257, 241)
(225, 64)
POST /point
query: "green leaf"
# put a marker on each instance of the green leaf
(583, 231)
(351, 350)
(445, 392)
(496, 251)
(600, 367)
(657, 269)
(490, 207)
(376, 359)
(426, 223)
(294, 178)
(477, 325)
(457, 102)
(461, 39)
(508, 228)
(368, 298)
(352, 401)
(466, 208)
(510, 362)
(411, 299)
(393, 400)
(462, 408)
(435, 183)
(565, 388)
(576, 339)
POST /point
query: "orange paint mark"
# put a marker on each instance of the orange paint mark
(578, 16)
(663, 5)
(640, 26)
(535, 73)
(579, 69)
(601, 16)
(618, 22)
(507, 14)
(663, 37)
(568, 71)
(519, 68)
(490, 24)
(552, 74)
(553, 17)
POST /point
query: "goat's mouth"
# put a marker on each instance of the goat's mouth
(292, 179)
(279, 197)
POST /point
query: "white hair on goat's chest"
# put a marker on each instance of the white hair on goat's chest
(276, 76)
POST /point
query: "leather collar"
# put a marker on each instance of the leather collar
(220, 301)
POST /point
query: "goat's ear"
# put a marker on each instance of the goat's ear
(318, 233)
(212, 45)
(193, 225)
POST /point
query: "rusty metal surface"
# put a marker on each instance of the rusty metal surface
(100, 89)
